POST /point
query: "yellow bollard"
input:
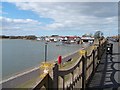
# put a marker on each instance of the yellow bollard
(46, 67)
(82, 52)
(93, 47)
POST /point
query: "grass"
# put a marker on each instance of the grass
(72, 62)
(28, 84)
(74, 59)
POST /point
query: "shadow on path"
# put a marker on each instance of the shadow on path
(107, 74)
(116, 54)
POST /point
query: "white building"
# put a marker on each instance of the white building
(87, 39)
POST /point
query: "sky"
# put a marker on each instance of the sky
(61, 18)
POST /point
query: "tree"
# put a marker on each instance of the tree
(87, 35)
(98, 35)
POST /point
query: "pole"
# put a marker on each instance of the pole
(45, 52)
(84, 66)
(55, 77)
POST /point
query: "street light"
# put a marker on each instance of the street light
(46, 51)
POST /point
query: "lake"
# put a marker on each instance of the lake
(20, 55)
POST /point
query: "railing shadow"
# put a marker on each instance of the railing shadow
(116, 54)
(106, 75)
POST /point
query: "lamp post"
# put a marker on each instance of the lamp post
(46, 51)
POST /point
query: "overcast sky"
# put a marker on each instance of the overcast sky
(70, 18)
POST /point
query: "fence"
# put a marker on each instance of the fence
(79, 73)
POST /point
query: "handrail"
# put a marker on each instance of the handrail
(66, 58)
(41, 82)
(90, 55)
(89, 65)
(46, 82)
(70, 70)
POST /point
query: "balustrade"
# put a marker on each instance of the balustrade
(81, 71)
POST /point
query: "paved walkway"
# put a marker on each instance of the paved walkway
(107, 75)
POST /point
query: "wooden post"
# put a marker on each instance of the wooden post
(93, 61)
(63, 82)
(73, 78)
(50, 82)
(98, 53)
(55, 77)
(84, 66)
(99, 49)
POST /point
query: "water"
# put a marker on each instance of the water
(20, 55)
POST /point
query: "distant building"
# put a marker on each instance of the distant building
(87, 39)
(63, 39)
(42, 38)
(53, 38)
(71, 39)
(38, 38)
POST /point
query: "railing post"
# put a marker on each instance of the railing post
(50, 82)
(55, 77)
(98, 53)
(93, 61)
(84, 66)
(63, 82)
(73, 78)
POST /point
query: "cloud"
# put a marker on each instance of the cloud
(18, 21)
(71, 15)
(61, 0)
(18, 24)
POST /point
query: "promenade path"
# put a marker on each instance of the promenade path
(107, 75)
